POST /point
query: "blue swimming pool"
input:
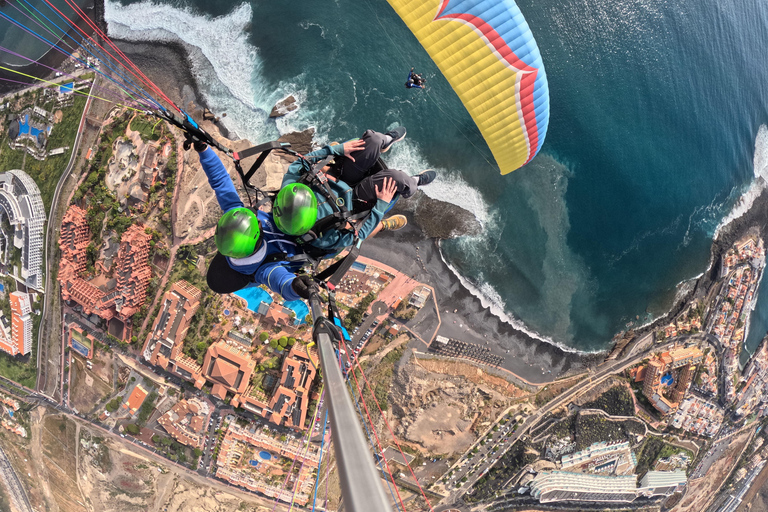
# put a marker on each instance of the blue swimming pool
(25, 128)
(254, 296)
(265, 455)
(300, 308)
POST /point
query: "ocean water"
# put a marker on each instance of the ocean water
(656, 107)
(23, 42)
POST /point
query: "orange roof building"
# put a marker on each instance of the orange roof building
(136, 399)
(133, 272)
(121, 297)
(73, 241)
(228, 368)
(186, 422)
(290, 400)
(684, 360)
(166, 339)
(20, 341)
(233, 466)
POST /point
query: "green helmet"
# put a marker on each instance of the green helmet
(295, 209)
(238, 233)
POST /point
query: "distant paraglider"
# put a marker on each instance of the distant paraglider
(487, 53)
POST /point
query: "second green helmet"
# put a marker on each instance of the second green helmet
(295, 209)
(238, 233)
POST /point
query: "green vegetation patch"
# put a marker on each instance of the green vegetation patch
(655, 448)
(617, 401)
(150, 129)
(519, 455)
(47, 173)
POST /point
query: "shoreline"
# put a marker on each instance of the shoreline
(529, 355)
(52, 58)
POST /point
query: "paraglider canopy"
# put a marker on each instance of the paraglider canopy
(487, 53)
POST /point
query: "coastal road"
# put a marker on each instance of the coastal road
(50, 350)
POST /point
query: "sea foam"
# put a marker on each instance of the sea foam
(221, 57)
(759, 183)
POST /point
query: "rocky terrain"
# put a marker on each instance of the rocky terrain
(69, 466)
(441, 405)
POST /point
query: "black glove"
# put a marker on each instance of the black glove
(190, 141)
(302, 285)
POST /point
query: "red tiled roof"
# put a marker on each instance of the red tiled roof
(224, 371)
(136, 399)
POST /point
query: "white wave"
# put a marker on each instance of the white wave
(760, 167)
(448, 186)
(222, 60)
(492, 301)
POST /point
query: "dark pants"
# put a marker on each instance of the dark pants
(356, 174)
(224, 279)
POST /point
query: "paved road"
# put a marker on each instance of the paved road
(50, 355)
(13, 484)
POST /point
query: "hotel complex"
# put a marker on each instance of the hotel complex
(17, 339)
(22, 205)
(114, 298)
(668, 375)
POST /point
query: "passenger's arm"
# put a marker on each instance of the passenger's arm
(277, 278)
(219, 180)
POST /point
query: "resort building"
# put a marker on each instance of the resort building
(21, 323)
(115, 298)
(228, 367)
(604, 457)
(136, 399)
(668, 375)
(662, 483)
(267, 460)
(166, 339)
(22, 205)
(187, 421)
(290, 400)
(554, 486)
(73, 241)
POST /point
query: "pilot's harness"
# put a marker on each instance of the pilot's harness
(318, 181)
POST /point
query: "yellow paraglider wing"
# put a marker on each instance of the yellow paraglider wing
(487, 53)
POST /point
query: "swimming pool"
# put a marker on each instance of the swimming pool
(300, 308)
(254, 296)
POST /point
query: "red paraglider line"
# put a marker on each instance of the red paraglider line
(370, 389)
(93, 25)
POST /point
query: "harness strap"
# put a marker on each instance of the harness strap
(334, 273)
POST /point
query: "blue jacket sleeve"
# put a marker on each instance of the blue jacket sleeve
(278, 278)
(219, 180)
(296, 169)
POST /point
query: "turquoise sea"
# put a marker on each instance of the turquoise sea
(656, 109)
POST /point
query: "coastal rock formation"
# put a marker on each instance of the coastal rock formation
(284, 106)
(439, 219)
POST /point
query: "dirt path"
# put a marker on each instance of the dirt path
(36, 454)
(700, 492)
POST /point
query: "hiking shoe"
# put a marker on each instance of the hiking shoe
(395, 135)
(394, 223)
(426, 177)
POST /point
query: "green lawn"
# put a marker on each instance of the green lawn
(17, 370)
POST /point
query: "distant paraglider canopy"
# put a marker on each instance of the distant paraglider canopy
(487, 53)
